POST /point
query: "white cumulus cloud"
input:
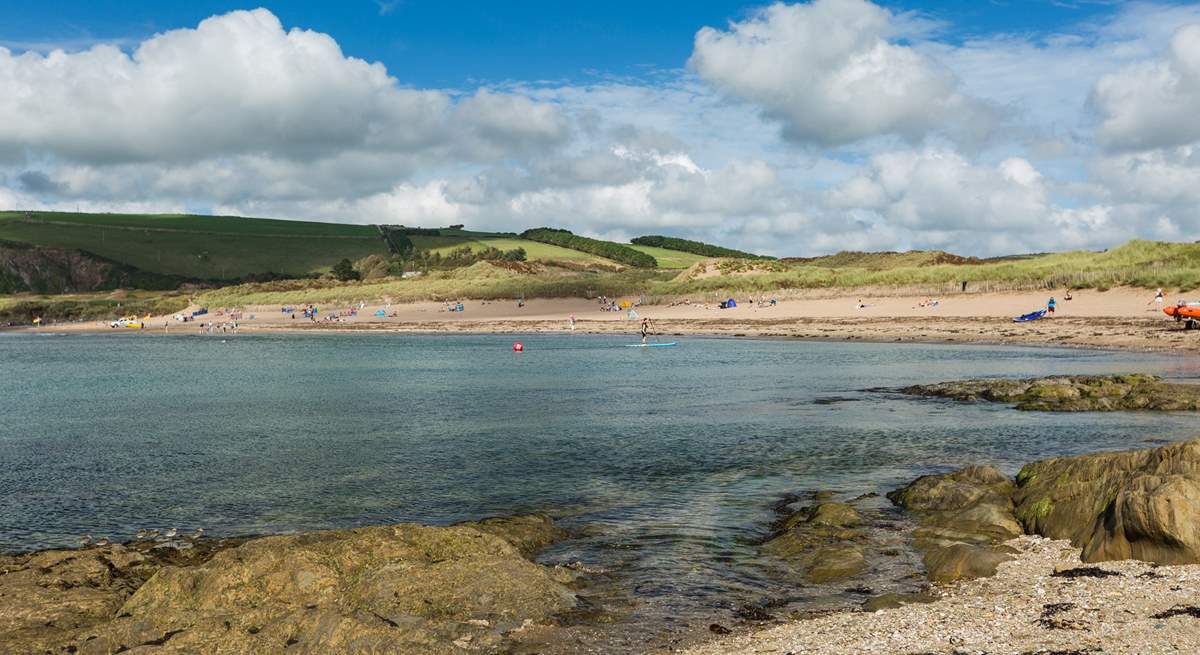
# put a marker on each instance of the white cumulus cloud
(831, 73)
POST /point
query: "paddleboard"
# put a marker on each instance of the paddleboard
(649, 345)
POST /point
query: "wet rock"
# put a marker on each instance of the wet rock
(386, 589)
(963, 561)
(1140, 504)
(822, 542)
(1079, 393)
(892, 601)
(529, 533)
(964, 516)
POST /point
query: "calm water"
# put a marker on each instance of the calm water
(665, 462)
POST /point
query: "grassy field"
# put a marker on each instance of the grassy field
(534, 251)
(205, 247)
(670, 258)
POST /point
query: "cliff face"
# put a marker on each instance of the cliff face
(30, 269)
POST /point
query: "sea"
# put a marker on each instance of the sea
(666, 465)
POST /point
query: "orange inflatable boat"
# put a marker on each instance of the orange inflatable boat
(1185, 312)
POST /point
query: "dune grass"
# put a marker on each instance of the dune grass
(482, 281)
(1138, 264)
(21, 309)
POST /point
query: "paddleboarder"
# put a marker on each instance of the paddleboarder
(645, 329)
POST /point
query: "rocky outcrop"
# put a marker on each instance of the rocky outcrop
(965, 517)
(1140, 504)
(1079, 393)
(821, 541)
(30, 269)
(387, 589)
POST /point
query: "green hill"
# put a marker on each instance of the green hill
(693, 247)
(199, 247)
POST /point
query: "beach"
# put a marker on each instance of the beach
(1128, 607)
(1117, 318)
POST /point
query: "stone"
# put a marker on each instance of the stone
(821, 542)
(1078, 393)
(894, 600)
(386, 589)
(1139, 504)
(964, 517)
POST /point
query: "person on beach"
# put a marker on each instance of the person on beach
(572, 317)
(645, 329)
(1159, 298)
(1050, 305)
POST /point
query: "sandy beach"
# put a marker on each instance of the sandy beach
(1118, 318)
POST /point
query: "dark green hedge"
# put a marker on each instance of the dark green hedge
(606, 249)
(694, 247)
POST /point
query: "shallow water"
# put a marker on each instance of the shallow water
(665, 462)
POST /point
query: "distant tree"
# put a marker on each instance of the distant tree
(344, 271)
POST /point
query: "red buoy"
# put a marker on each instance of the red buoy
(518, 347)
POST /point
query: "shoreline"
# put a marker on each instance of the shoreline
(1110, 333)
(1034, 605)
(1117, 319)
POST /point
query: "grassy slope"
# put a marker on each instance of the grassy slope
(534, 251)
(1146, 264)
(670, 258)
(481, 280)
(208, 247)
(90, 306)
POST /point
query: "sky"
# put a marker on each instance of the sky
(983, 128)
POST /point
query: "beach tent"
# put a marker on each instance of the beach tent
(379, 313)
(730, 304)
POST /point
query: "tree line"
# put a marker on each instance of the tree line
(606, 249)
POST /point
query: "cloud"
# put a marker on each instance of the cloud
(239, 84)
(1153, 104)
(880, 146)
(830, 72)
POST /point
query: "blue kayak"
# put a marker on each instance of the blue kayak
(1031, 316)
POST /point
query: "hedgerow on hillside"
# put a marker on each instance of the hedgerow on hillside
(694, 247)
(606, 249)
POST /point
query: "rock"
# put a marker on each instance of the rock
(963, 561)
(1079, 393)
(892, 601)
(964, 516)
(820, 541)
(530, 533)
(45, 596)
(386, 589)
(1140, 504)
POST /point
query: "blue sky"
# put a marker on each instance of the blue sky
(453, 43)
(791, 128)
